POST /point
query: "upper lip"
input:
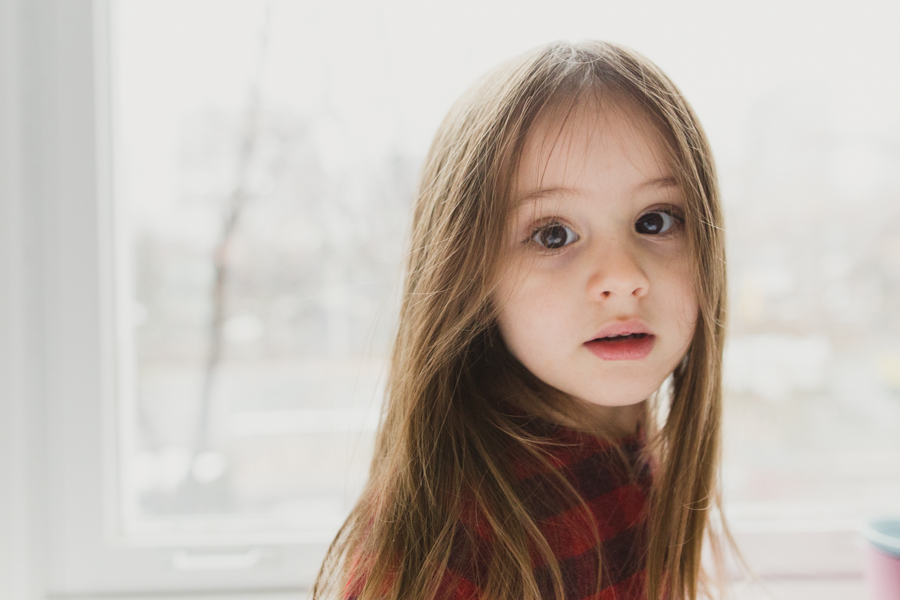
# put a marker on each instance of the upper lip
(622, 328)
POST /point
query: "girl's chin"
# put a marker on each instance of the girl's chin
(619, 399)
(618, 402)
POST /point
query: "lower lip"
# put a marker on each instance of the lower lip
(633, 349)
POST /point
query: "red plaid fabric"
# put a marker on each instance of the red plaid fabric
(616, 497)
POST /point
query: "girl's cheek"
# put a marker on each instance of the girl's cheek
(672, 261)
(513, 278)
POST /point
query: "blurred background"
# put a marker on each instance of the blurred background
(265, 156)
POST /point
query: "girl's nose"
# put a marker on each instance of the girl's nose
(616, 274)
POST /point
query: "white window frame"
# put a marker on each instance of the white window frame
(58, 349)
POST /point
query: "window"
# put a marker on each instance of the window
(209, 438)
(263, 227)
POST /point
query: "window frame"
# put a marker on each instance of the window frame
(59, 359)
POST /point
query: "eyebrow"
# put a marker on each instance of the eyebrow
(541, 193)
(663, 182)
(666, 181)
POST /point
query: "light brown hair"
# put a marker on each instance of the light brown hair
(444, 426)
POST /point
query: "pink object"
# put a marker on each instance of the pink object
(630, 325)
(882, 559)
(624, 349)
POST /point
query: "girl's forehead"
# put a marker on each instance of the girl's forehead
(562, 148)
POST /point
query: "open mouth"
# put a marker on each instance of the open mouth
(620, 338)
(633, 346)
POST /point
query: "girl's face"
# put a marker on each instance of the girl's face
(595, 294)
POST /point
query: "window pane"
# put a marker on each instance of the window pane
(265, 247)
(264, 174)
(813, 364)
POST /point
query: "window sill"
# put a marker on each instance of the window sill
(820, 588)
(785, 588)
(246, 595)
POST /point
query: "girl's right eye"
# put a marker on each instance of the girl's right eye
(553, 236)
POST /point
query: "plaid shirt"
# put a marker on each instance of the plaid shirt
(616, 502)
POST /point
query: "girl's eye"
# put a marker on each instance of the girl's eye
(657, 222)
(553, 236)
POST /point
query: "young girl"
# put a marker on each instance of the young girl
(566, 259)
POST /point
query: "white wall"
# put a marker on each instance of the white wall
(22, 539)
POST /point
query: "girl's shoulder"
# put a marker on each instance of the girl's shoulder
(592, 467)
(462, 578)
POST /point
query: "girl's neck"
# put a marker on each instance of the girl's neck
(607, 421)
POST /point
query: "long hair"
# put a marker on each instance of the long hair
(444, 427)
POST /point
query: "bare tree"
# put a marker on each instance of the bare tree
(235, 206)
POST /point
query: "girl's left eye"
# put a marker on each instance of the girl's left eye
(553, 236)
(657, 222)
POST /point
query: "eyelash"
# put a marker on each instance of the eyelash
(555, 222)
